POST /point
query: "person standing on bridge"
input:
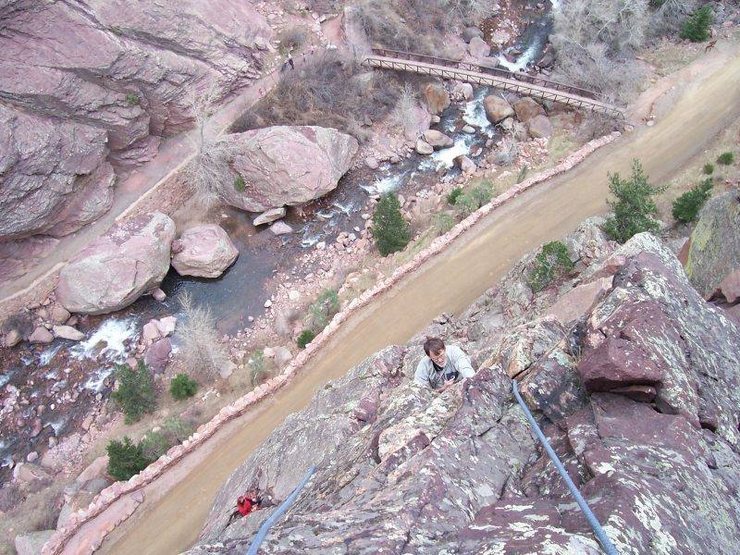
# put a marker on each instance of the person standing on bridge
(443, 366)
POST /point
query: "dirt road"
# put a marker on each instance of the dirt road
(450, 282)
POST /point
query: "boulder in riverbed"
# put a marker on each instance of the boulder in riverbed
(423, 147)
(437, 139)
(526, 108)
(436, 98)
(41, 335)
(287, 165)
(206, 252)
(478, 48)
(116, 269)
(497, 109)
(269, 216)
(68, 332)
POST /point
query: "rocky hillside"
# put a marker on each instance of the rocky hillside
(89, 86)
(632, 374)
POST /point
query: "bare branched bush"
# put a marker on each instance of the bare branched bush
(201, 350)
(210, 167)
(469, 12)
(595, 40)
(291, 38)
(670, 15)
(405, 106)
(331, 90)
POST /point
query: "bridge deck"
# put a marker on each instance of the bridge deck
(509, 84)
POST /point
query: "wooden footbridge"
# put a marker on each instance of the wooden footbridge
(530, 85)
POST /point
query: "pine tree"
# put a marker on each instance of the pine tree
(126, 458)
(135, 393)
(634, 207)
(696, 27)
(390, 230)
(686, 207)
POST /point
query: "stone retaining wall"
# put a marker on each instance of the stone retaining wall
(110, 495)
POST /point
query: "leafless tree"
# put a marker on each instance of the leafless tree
(201, 350)
(405, 107)
(210, 167)
(595, 39)
(670, 15)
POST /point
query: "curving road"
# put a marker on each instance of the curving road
(448, 283)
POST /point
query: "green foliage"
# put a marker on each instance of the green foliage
(257, 369)
(443, 222)
(454, 195)
(708, 169)
(522, 174)
(474, 198)
(686, 207)
(175, 430)
(305, 338)
(135, 393)
(726, 158)
(182, 387)
(696, 27)
(390, 230)
(322, 310)
(125, 459)
(552, 262)
(634, 207)
(132, 99)
(154, 445)
(239, 184)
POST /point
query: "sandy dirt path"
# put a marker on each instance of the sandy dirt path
(171, 522)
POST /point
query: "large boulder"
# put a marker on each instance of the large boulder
(285, 165)
(497, 109)
(117, 268)
(714, 251)
(479, 48)
(206, 251)
(540, 127)
(526, 108)
(31, 543)
(437, 139)
(90, 82)
(418, 121)
(436, 97)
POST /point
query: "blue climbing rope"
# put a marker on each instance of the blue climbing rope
(592, 520)
(267, 524)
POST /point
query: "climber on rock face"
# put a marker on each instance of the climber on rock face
(245, 504)
(443, 366)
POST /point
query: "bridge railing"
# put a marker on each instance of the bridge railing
(498, 72)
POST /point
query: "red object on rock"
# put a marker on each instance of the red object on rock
(244, 505)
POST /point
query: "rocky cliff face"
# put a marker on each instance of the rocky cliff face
(636, 386)
(87, 83)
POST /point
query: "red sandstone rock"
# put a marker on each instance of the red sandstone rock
(82, 79)
(617, 363)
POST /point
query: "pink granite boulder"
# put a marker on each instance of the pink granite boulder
(285, 165)
(119, 267)
(206, 252)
